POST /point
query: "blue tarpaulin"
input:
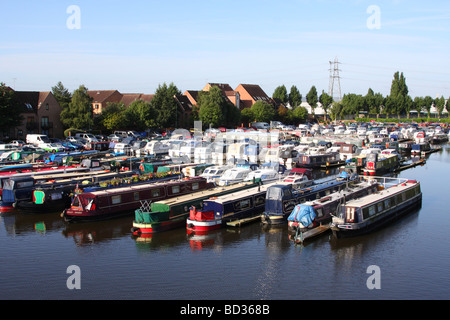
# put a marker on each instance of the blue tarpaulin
(302, 213)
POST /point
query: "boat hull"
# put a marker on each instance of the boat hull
(203, 226)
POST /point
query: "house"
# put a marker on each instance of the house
(41, 114)
(228, 92)
(250, 93)
(129, 98)
(100, 99)
(184, 114)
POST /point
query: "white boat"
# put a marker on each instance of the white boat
(213, 174)
(156, 148)
(269, 172)
(234, 175)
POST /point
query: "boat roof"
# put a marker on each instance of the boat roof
(239, 194)
(369, 199)
(202, 193)
(141, 186)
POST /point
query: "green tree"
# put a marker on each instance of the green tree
(440, 104)
(280, 93)
(247, 116)
(418, 105)
(263, 111)
(326, 100)
(336, 110)
(299, 114)
(79, 113)
(428, 103)
(213, 107)
(62, 95)
(398, 94)
(10, 110)
(140, 115)
(165, 105)
(352, 104)
(295, 97)
(312, 99)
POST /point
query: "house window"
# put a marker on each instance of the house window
(46, 106)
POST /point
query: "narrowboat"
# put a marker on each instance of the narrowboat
(234, 206)
(314, 217)
(363, 215)
(58, 195)
(172, 213)
(405, 146)
(314, 161)
(105, 204)
(282, 198)
(378, 164)
(420, 147)
(439, 137)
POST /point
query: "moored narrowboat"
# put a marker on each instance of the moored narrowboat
(234, 206)
(308, 218)
(172, 213)
(318, 160)
(363, 215)
(420, 147)
(282, 198)
(378, 164)
(105, 204)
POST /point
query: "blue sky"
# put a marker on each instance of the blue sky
(134, 46)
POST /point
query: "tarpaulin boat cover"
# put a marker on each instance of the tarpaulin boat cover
(343, 175)
(302, 213)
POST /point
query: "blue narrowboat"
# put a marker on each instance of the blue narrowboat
(282, 198)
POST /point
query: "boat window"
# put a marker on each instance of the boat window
(175, 189)
(155, 193)
(274, 193)
(195, 186)
(380, 206)
(372, 210)
(24, 184)
(116, 199)
(387, 203)
(136, 196)
(319, 212)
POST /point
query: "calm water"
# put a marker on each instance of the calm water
(251, 263)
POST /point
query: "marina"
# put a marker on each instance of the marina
(240, 244)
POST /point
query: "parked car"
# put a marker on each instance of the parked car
(114, 137)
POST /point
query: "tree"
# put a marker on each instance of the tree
(280, 93)
(79, 113)
(418, 105)
(247, 116)
(440, 104)
(62, 95)
(428, 103)
(213, 107)
(326, 100)
(311, 98)
(398, 94)
(140, 115)
(295, 98)
(299, 114)
(263, 111)
(165, 105)
(351, 104)
(10, 110)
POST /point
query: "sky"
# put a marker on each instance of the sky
(134, 46)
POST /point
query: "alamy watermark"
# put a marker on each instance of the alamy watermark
(74, 280)
(74, 20)
(374, 20)
(374, 280)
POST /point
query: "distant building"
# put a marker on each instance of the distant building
(41, 113)
(250, 93)
(101, 98)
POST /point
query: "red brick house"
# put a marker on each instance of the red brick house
(41, 113)
(250, 93)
